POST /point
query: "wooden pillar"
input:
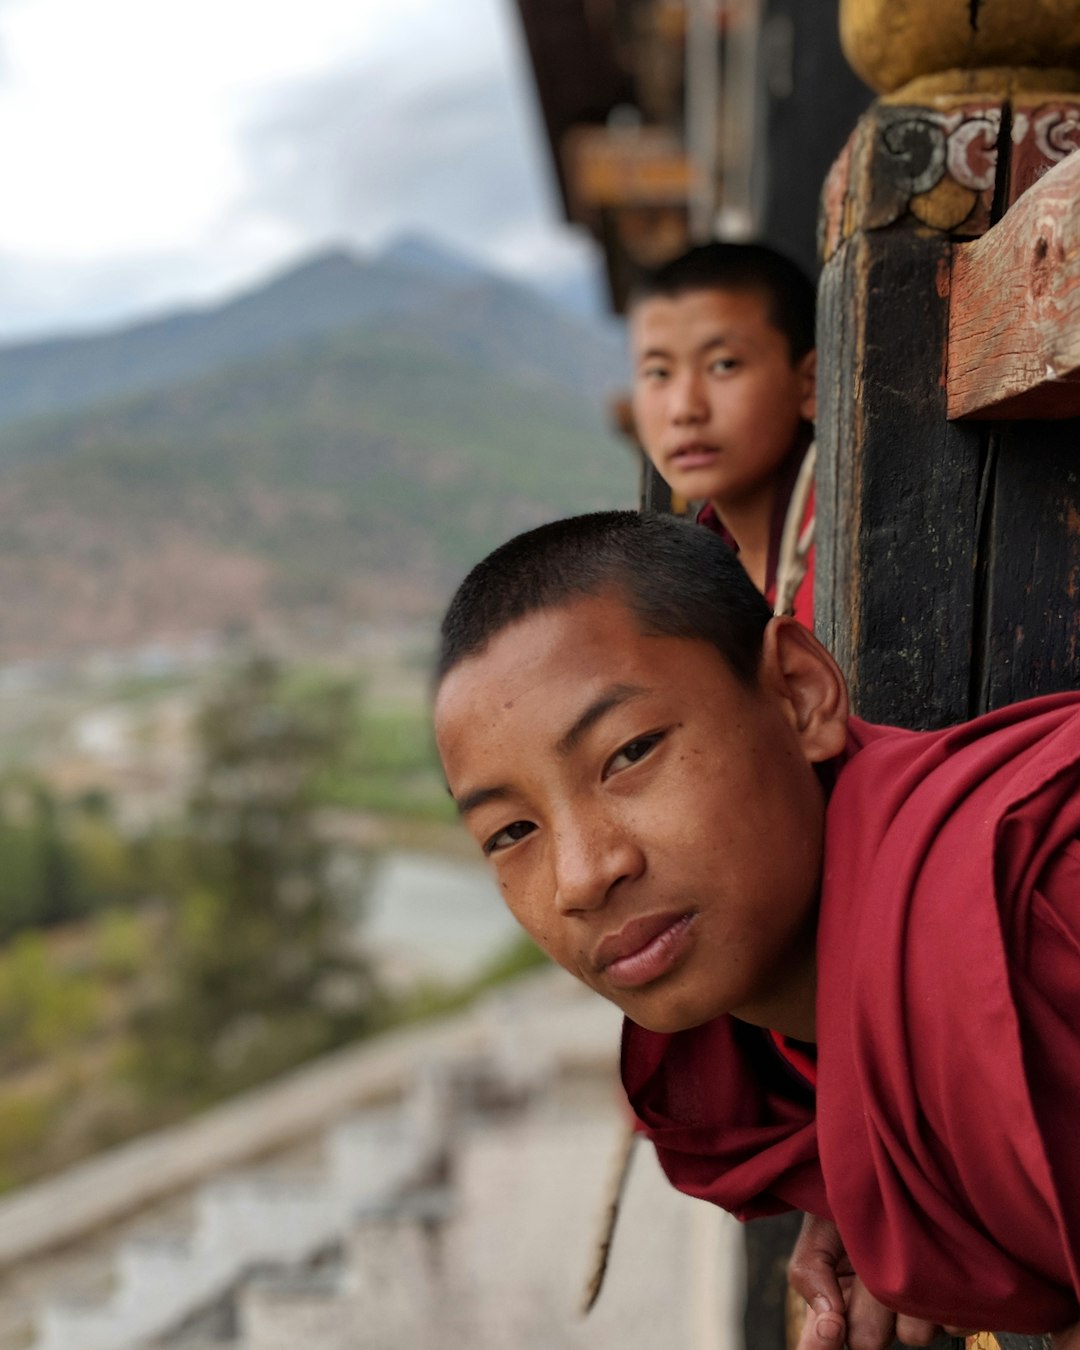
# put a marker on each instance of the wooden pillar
(948, 561)
(921, 589)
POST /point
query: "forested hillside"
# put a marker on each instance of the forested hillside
(337, 446)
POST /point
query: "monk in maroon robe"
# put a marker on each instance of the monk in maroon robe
(937, 1125)
(849, 956)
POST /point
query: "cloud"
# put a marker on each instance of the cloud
(5, 62)
(156, 154)
(385, 147)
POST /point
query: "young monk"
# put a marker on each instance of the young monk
(722, 346)
(848, 955)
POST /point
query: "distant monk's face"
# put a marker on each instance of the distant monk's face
(653, 823)
(718, 401)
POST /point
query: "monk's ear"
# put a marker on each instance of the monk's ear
(811, 689)
(807, 371)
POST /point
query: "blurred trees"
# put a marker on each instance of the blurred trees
(60, 861)
(146, 971)
(265, 967)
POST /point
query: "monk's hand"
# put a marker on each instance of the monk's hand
(840, 1310)
(1068, 1339)
(820, 1273)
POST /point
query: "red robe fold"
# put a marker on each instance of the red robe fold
(945, 1137)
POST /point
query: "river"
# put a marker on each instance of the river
(429, 916)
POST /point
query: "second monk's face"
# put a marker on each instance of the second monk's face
(718, 403)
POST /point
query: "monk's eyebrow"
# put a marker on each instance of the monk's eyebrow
(612, 697)
(480, 797)
(724, 339)
(721, 339)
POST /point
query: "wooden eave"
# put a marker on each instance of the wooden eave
(578, 79)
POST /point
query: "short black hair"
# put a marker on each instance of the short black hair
(789, 294)
(678, 579)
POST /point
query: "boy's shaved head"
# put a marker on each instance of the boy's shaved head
(677, 579)
(634, 743)
(788, 293)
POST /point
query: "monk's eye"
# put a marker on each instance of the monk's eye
(724, 365)
(508, 836)
(633, 751)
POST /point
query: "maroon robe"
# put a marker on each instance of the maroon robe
(945, 1136)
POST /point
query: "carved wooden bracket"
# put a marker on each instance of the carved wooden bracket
(950, 166)
(1014, 313)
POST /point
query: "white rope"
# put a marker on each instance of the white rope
(795, 541)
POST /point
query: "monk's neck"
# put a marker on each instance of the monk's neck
(749, 522)
(789, 1008)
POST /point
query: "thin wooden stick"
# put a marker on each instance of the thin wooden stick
(609, 1219)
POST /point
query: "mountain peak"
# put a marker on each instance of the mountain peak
(422, 253)
(317, 269)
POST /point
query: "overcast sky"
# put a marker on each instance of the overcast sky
(154, 152)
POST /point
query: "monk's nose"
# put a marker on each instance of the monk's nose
(688, 401)
(591, 859)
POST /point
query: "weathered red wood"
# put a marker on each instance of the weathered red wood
(1044, 130)
(1014, 317)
